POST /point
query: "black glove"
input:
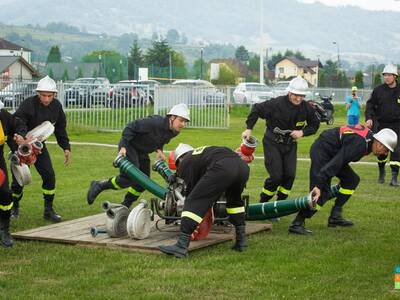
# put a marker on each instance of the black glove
(172, 179)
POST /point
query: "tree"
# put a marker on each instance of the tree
(51, 73)
(227, 74)
(275, 58)
(65, 76)
(135, 60)
(242, 54)
(54, 55)
(173, 36)
(254, 63)
(80, 73)
(377, 80)
(158, 54)
(198, 69)
(358, 80)
(109, 62)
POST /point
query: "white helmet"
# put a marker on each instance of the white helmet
(181, 150)
(390, 69)
(387, 137)
(180, 110)
(298, 86)
(46, 84)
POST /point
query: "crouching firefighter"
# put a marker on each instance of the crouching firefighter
(139, 138)
(208, 172)
(330, 156)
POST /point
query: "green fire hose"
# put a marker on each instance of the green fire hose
(134, 173)
(258, 211)
(268, 210)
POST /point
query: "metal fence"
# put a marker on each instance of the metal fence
(209, 107)
(339, 97)
(110, 107)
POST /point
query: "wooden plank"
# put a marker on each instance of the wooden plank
(77, 232)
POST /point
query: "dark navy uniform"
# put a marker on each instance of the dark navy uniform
(330, 156)
(280, 153)
(208, 172)
(140, 138)
(383, 107)
(7, 130)
(30, 114)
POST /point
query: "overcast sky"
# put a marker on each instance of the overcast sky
(366, 4)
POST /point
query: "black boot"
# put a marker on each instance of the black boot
(297, 226)
(336, 219)
(241, 240)
(129, 199)
(382, 174)
(394, 182)
(96, 187)
(15, 209)
(5, 236)
(49, 213)
(180, 249)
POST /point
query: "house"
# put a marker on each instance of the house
(16, 67)
(10, 49)
(290, 67)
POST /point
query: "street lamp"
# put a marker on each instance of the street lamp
(201, 63)
(261, 42)
(99, 65)
(338, 57)
(20, 65)
(170, 67)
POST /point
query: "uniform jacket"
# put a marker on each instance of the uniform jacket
(340, 150)
(280, 112)
(8, 124)
(32, 113)
(196, 163)
(384, 104)
(148, 134)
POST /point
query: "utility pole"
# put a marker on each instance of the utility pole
(261, 42)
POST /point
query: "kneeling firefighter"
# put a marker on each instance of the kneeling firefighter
(208, 172)
(330, 156)
(139, 138)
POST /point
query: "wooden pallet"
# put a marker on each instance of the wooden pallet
(77, 232)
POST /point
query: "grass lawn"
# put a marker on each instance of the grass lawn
(336, 263)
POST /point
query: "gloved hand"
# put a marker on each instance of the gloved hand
(172, 179)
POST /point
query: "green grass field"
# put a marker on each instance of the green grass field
(339, 263)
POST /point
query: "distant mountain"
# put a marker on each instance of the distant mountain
(311, 28)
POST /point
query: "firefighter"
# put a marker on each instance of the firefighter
(383, 111)
(7, 132)
(330, 156)
(32, 112)
(139, 138)
(290, 114)
(208, 172)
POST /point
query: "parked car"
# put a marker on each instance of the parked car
(201, 92)
(251, 92)
(126, 93)
(280, 89)
(15, 92)
(149, 85)
(87, 92)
